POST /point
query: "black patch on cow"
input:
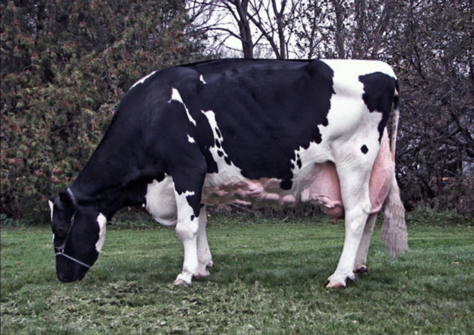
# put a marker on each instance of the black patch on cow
(218, 144)
(160, 177)
(364, 149)
(227, 160)
(192, 217)
(379, 91)
(299, 163)
(286, 184)
(291, 99)
(220, 153)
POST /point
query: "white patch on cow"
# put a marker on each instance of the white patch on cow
(102, 221)
(141, 81)
(191, 139)
(161, 201)
(188, 193)
(358, 67)
(52, 240)
(228, 174)
(350, 123)
(177, 97)
(345, 133)
(201, 78)
(186, 229)
(51, 208)
(211, 117)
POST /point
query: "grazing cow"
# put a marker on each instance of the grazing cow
(254, 131)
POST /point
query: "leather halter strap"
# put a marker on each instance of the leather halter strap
(60, 249)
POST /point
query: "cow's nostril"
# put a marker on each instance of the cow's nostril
(62, 277)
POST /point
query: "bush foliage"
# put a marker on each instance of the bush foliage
(65, 65)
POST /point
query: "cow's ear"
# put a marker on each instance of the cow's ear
(66, 199)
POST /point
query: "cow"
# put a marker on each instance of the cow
(263, 132)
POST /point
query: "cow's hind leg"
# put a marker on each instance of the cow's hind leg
(203, 251)
(361, 259)
(354, 182)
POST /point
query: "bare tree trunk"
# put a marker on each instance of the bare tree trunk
(360, 16)
(280, 28)
(241, 16)
(244, 28)
(339, 12)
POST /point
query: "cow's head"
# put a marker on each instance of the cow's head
(78, 236)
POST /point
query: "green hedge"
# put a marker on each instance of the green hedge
(65, 66)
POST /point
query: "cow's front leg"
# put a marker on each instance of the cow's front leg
(203, 251)
(187, 230)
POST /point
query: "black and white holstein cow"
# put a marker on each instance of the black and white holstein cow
(250, 131)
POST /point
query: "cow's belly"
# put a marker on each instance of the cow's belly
(262, 192)
(316, 183)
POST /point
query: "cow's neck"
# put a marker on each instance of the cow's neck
(114, 176)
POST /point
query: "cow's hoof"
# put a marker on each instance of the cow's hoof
(210, 265)
(334, 284)
(201, 274)
(362, 269)
(181, 282)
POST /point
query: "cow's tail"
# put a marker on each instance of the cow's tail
(394, 229)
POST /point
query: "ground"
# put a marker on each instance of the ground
(267, 279)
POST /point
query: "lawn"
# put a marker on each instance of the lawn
(268, 279)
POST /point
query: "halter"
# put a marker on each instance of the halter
(61, 248)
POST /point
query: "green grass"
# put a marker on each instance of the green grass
(267, 280)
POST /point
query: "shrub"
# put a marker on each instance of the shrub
(65, 65)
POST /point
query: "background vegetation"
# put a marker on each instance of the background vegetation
(66, 64)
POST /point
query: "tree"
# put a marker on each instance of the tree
(65, 65)
(312, 29)
(430, 45)
(433, 52)
(259, 25)
(239, 12)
